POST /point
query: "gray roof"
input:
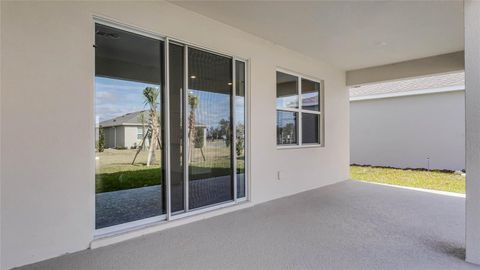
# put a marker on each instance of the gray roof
(132, 118)
(456, 79)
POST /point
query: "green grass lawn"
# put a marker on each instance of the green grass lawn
(436, 180)
(115, 171)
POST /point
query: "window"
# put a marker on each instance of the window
(286, 127)
(299, 110)
(140, 133)
(287, 91)
(240, 134)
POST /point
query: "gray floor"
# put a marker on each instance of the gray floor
(349, 225)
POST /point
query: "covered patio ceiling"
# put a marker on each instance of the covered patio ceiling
(349, 225)
(348, 34)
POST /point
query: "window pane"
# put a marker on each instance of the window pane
(140, 132)
(128, 94)
(177, 181)
(310, 128)
(287, 91)
(209, 128)
(240, 127)
(286, 127)
(310, 95)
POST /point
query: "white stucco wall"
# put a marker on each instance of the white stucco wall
(472, 84)
(47, 199)
(404, 131)
(130, 136)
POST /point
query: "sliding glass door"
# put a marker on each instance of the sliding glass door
(209, 118)
(129, 149)
(177, 70)
(170, 123)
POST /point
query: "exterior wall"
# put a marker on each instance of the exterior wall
(120, 133)
(472, 88)
(47, 79)
(404, 131)
(130, 136)
(121, 136)
(110, 137)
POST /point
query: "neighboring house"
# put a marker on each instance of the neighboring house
(126, 131)
(414, 123)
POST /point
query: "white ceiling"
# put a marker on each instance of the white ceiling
(350, 35)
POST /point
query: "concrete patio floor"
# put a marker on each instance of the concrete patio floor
(349, 225)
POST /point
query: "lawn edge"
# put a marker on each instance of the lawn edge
(439, 192)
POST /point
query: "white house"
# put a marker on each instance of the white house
(413, 123)
(270, 83)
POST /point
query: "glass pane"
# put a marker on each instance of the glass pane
(287, 91)
(128, 95)
(140, 131)
(286, 127)
(310, 95)
(177, 181)
(310, 128)
(209, 128)
(240, 126)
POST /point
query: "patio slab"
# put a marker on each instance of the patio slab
(349, 225)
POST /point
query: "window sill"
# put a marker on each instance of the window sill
(282, 147)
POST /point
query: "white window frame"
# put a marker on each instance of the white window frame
(299, 111)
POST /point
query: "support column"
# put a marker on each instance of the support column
(472, 107)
